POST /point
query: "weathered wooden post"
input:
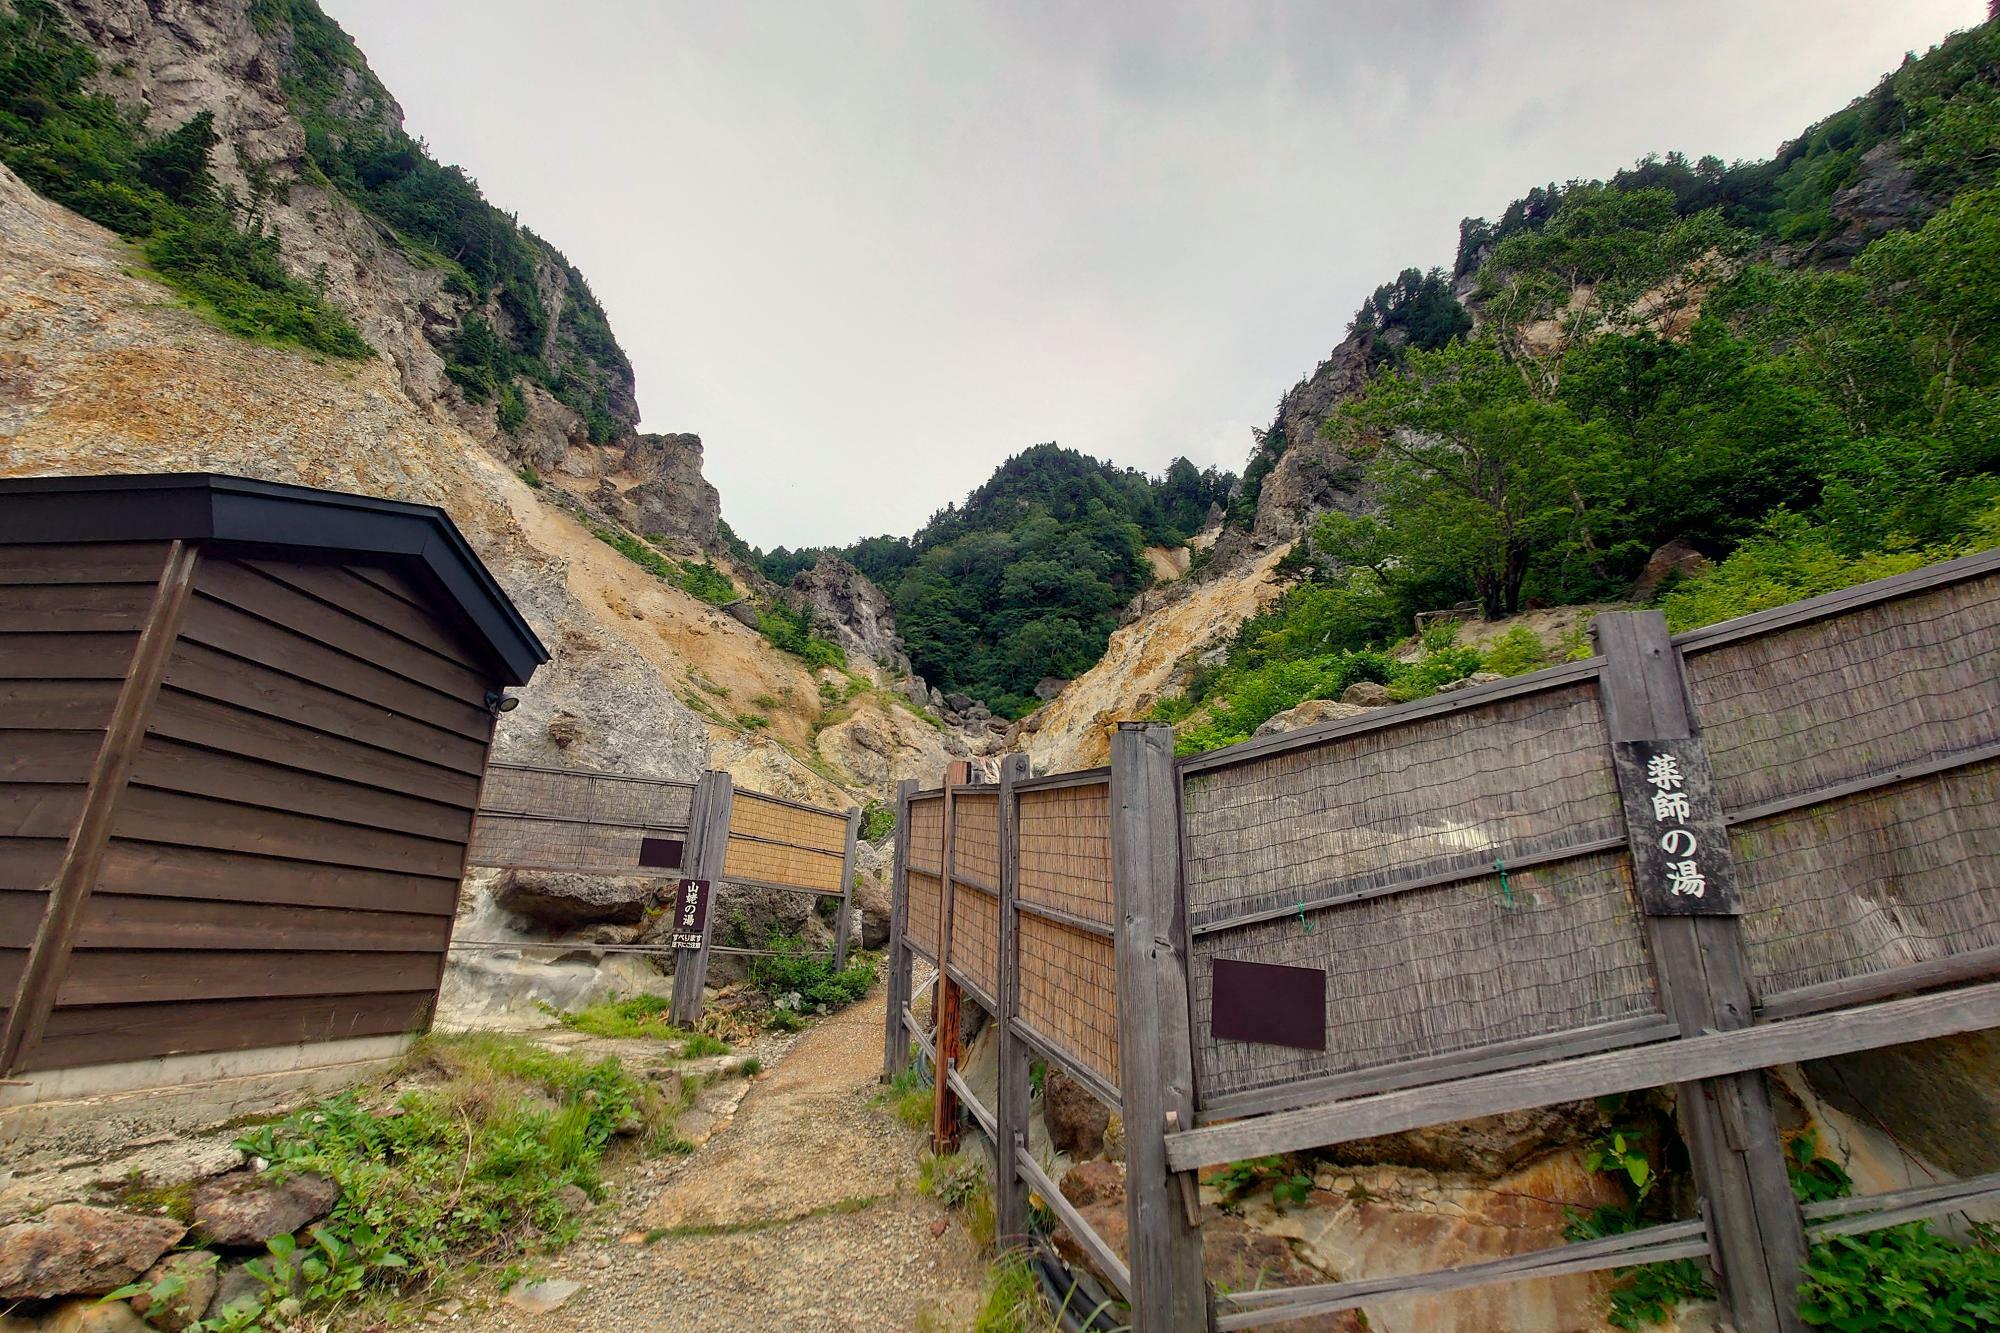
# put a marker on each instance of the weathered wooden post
(841, 931)
(1682, 867)
(1155, 1046)
(944, 1013)
(708, 838)
(896, 1041)
(1010, 1191)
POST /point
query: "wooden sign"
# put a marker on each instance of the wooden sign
(661, 853)
(1270, 1003)
(690, 915)
(1673, 823)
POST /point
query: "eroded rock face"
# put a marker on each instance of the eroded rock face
(1076, 1119)
(1493, 1143)
(560, 901)
(873, 892)
(247, 1208)
(845, 601)
(665, 495)
(76, 1250)
(1313, 474)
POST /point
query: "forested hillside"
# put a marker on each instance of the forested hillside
(1791, 366)
(1026, 578)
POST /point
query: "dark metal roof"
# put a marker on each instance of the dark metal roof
(277, 518)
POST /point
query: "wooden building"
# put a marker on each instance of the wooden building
(243, 728)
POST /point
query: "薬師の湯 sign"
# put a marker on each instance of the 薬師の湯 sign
(1673, 821)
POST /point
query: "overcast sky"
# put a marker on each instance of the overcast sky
(868, 250)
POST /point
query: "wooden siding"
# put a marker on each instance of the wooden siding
(284, 865)
(69, 620)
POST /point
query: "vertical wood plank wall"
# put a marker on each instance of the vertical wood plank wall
(284, 865)
(72, 616)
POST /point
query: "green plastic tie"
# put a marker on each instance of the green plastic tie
(1506, 889)
(1302, 917)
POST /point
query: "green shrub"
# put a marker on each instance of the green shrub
(530, 477)
(1515, 653)
(1903, 1278)
(878, 821)
(808, 983)
(80, 149)
(473, 1162)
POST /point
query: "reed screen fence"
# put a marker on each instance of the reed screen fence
(1460, 874)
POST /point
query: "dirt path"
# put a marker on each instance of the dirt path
(801, 1214)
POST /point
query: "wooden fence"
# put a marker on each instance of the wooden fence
(619, 824)
(1681, 862)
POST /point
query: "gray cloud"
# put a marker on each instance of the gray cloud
(868, 250)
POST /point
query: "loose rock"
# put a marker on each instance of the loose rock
(543, 1296)
(76, 1250)
(196, 1270)
(1366, 694)
(1076, 1119)
(245, 1208)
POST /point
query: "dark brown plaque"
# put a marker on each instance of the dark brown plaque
(690, 914)
(661, 853)
(1673, 823)
(1270, 1003)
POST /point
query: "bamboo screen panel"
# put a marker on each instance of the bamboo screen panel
(975, 936)
(1432, 971)
(775, 863)
(927, 835)
(924, 875)
(754, 816)
(1886, 878)
(1882, 878)
(1069, 992)
(1065, 842)
(926, 897)
(587, 823)
(975, 839)
(1452, 791)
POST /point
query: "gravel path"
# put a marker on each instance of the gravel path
(800, 1213)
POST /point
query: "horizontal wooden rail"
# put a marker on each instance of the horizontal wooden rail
(1107, 1258)
(1951, 970)
(1649, 1245)
(1361, 891)
(650, 825)
(511, 767)
(1062, 918)
(1069, 1064)
(1487, 1059)
(1082, 777)
(979, 992)
(1553, 678)
(1867, 782)
(585, 946)
(1711, 1055)
(1871, 1212)
(1759, 623)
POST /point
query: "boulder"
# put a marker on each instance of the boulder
(958, 703)
(74, 1250)
(196, 1271)
(1076, 1119)
(1467, 682)
(1308, 714)
(872, 892)
(1093, 1182)
(1048, 687)
(1676, 560)
(92, 1317)
(234, 1286)
(561, 901)
(1366, 694)
(744, 610)
(842, 601)
(1940, 1098)
(247, 1208)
